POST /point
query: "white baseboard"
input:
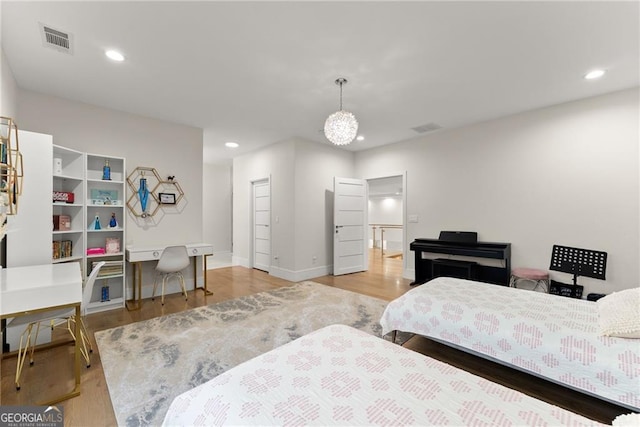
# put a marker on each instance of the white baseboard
(219, 259)
(300, 275)
(242, 262)
(409, 273)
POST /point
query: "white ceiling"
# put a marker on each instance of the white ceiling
(260, 72)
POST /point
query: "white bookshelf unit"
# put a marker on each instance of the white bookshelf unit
(104, 198)
(68, 177)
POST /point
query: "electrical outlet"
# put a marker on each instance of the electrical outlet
(412, 218)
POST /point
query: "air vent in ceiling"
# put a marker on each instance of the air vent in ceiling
(56, 39)
(429, 127)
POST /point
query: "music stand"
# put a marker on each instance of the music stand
(579, 262)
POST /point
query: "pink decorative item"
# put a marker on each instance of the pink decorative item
(95, 251)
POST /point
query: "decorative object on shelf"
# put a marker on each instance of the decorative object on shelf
(106, 171)
(167, 198)
(143, 194)
(11, 171)
(102, 197)
(143, 181)
(105, 294)
(112, 245)
(95, 251)
(96, 223)
(169, 192)
(341, 127)
(113, 222)
(63, 197)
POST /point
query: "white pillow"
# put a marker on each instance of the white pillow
(619, 314)
(632, 419)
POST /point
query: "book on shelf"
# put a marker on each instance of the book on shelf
(61, 223)
(110, 268)
(62, 249)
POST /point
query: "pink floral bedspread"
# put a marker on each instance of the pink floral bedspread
(551, 336)
(339, 375)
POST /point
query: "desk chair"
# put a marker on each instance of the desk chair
(173, 260)
(56, 318)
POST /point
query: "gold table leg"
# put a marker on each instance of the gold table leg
(204, 274)
(136, 303)
(78, 342)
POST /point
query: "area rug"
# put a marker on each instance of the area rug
(147, 364)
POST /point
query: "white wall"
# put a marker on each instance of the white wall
(8, 90)
(143, 142)
(316, 166)
(301, 175)
(277, 163)
(566, 175)
(216, 202)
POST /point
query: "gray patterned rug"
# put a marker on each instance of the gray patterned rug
(148, 363)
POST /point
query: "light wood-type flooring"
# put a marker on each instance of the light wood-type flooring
(52, 373)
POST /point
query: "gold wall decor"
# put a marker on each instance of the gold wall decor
(135, 202)
(11, 167)
(161, 193)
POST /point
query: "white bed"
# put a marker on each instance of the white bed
(342, 376)
(550, 336)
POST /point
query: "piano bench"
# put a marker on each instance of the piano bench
(530, 279)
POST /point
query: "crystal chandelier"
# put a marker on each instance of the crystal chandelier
(341, 127)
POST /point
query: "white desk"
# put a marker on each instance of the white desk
(139, 254)
(25, 290)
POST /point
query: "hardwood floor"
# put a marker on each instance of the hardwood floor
(52, 372)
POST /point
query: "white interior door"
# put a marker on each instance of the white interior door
(350, 253)
(261, 225)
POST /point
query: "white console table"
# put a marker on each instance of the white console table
(138, 254)
(32, 289)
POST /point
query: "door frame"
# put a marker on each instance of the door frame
(252, 224)
(405, 246)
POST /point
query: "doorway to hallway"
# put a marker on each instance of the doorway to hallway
(386, 201)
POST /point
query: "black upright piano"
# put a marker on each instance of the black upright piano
(466, 244)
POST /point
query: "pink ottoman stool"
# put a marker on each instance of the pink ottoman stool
(530, 279)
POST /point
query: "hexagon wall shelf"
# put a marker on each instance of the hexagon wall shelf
(168, 186)
(153, 180)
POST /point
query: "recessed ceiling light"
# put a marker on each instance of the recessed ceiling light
(232, 144)
(115, 55)
(595, 74)
(360, 138)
